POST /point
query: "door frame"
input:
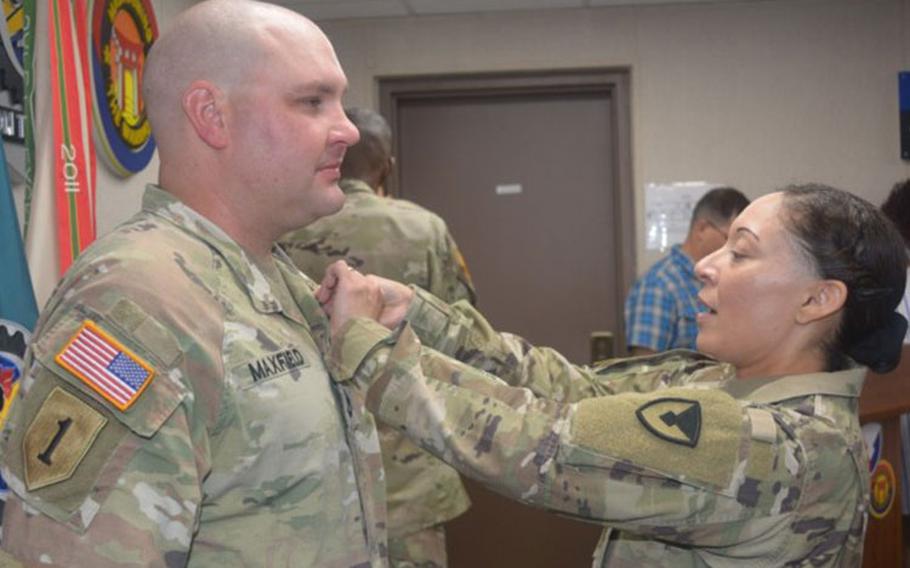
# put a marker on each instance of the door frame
(615, 82)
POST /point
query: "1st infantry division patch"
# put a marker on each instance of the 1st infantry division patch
(58, 438)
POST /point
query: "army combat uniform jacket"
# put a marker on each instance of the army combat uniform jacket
(687, 465)
(402, 241)
(176, 411)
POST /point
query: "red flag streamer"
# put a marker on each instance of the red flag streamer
(74, 159)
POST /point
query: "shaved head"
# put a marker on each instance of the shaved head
(219, 41)
(245, 102)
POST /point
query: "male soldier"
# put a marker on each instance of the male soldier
(662, 304)
(402, 241)
(177, 410)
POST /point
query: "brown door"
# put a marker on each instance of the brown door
(525, 182)
(527, 179)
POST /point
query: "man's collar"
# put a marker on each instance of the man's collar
(681, 258)
(352, 185)
(266, 295)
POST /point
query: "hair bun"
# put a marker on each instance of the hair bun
(880, 350)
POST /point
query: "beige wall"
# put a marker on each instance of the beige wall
(754, 94)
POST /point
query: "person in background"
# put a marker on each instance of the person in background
(405, 242)
(177, 410)
(748, 453)
(897, 208)
(662, 305)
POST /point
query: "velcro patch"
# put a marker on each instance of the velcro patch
(693, 435)
(58, 438)
(105, 365)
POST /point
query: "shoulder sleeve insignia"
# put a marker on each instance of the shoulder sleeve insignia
(58, 438)
(463, 265)
(675, 420)
(105, 365)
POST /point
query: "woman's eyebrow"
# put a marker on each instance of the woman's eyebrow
(748, 231)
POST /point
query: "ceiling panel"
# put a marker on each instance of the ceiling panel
(461, 6)
(339, 9)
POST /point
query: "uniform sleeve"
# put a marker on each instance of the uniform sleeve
(461, 332)
(449, 276)
(683, 465)
(650, 314)
(104, 475)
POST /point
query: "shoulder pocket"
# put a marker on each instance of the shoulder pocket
(692, 436)
(67, 441)
(123, 359)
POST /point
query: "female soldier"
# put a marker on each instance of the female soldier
(756, 460)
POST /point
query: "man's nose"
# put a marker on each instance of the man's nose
(346, 131)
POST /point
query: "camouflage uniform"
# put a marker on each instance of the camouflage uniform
(402, 241)
(686, 465)
(240, 451)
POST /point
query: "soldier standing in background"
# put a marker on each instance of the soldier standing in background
(405, 242)
(176, 409)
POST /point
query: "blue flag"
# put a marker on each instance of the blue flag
(18, 311)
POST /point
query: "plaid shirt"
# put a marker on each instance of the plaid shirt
(662, 305)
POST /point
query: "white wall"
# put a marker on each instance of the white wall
(754, 94)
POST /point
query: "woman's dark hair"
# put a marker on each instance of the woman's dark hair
(850, 240)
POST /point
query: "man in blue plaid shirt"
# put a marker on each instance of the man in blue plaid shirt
(661, 308)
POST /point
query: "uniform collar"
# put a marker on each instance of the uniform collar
(848, 383)
(351, 185)
(264, 284)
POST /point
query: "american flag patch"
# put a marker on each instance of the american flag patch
(104, 364)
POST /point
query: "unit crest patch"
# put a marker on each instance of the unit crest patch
(58, 438)
(675, 420)
(122, 33)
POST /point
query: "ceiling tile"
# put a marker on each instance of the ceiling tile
(459, 6)
(337, 9)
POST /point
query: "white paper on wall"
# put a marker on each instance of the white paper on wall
(668, 210)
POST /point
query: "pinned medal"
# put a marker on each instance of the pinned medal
(675, 420)
(106, 365)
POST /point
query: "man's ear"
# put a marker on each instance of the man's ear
(203, 105)
(823, 298)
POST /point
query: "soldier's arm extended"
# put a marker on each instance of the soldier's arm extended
(461, 332)
(684, 465)
(103, 475)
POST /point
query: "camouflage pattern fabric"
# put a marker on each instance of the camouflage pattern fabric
(420, 549)
(240, 451)
(393, 238)
(402, 241)
(683, 464)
